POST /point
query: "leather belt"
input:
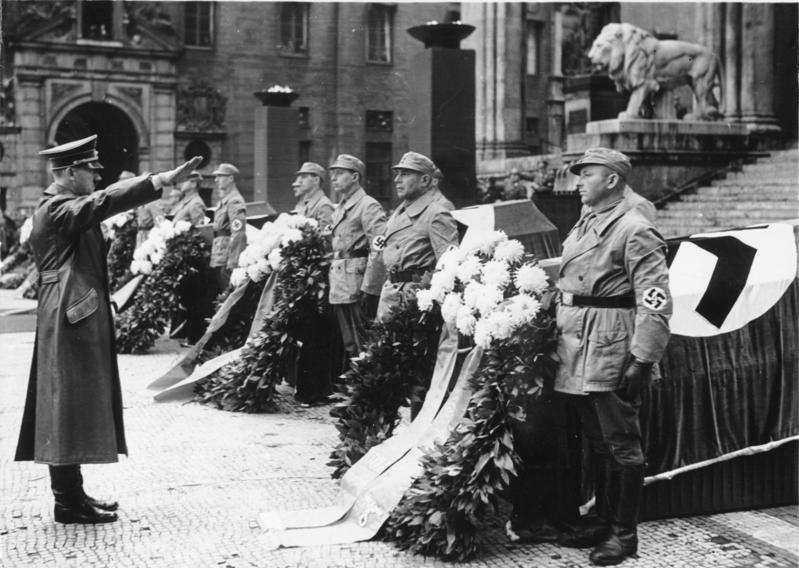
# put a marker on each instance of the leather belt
(408, 275)
(48, 276)
(358, 253)
(621, 301)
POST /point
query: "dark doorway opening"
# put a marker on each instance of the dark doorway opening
(117, 139)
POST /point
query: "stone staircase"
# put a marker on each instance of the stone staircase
(762, 192)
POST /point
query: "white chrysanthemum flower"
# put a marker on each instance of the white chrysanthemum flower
(451, 257)
(181, 227)
(465, 320)
(267, 227)
(165, 229)
(495, 273)
(145, 267)
(238, 276)
(490, 242)
(499, 324)
(468, 269)
(522, 309)
(424, 300)
(139, 253)
(531, 279)
(135, 266)
(450, 307)
(312, 223)
(482, 334)
(442, 283)
(254, 272)
(275, 258)
(472, 293)
(291, 236)
(157, 257)
(488, 300)
(509, 251)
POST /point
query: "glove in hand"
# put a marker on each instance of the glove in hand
(636, 378)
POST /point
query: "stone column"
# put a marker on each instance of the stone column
(499, 104)
(556, 102)
(757, 69)
(731, 57)
(30, 114)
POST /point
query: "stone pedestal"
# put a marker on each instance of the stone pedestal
(665, 153)
(276, 155)
(442, 121)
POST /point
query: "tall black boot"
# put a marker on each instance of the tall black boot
(623, 540)
(97, 503)
(596, 528)
(71, 505)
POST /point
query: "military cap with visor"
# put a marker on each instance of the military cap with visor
(416, 162)
(81, 152)
(612, 159)
(312, 168)
(225, 170)
(348, 162)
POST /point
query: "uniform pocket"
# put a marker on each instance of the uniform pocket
(606, 354)
(84, 307)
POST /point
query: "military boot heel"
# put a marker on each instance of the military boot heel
(597, 528)
(81, 513)
(623, 541)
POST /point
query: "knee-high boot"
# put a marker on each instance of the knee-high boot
(597, 528)
(71, 505)
(98, 503)
(623, 540)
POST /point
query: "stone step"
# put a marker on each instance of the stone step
(772, 178)
(723, 203)
(749, 198)
(753, 185)
(775, 168)
(791, 155)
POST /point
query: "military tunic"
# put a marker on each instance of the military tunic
(612, 252)
(417, 234)
(355, 224)
(191, 209)
(316, 206)
(230, 231)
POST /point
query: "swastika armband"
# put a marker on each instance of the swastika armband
(236, 225)
(379, 243)
(655, 298)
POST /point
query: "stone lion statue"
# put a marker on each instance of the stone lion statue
(644, 65)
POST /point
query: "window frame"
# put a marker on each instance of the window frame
(304, 9)
(211, 27)
(386, 12)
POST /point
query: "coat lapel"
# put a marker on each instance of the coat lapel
(341, 211)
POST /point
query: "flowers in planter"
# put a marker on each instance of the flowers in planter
(487, 291)
(263, 255)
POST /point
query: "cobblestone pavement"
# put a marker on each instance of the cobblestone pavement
(197, 479)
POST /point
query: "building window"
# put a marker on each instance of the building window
(380, 120)
(378, 171)
(304, 151)
(294, 27)
(305, 117)
(533, 47)
(379, 37)
(97, 20)
(198, 24)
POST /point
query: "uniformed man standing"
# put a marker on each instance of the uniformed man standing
(419, 231)
(230, 227)
(73, 410)
(147, 215)
(613, 323)
(190, 207)
(308, 189)
(320, 357)
(355, 277)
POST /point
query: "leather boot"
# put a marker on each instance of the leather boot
(97, 503)
(71, 505)
(596, 528)
(623, 540)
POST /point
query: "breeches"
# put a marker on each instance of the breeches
(611, 425)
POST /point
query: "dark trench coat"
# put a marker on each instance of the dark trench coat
(73, 410)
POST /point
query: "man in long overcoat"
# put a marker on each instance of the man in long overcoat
(73, 411)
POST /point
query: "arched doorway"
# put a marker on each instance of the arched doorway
(117, 139)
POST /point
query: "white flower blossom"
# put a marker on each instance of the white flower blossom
(452, 256)
(424, 300)
(472, 293)
(465, 320)
(238, 276)
(157, 257)
(509, 251)
(482, 334)
(275, 258)
(499, 324)
(450, 307)
(488, 300)
(522, 309)
(490, 242)
(181, 227)
(468, 269)
(531, 279)
(495, 273)
(442, 282)
(145, 267)
(291, 236)
(139, 254)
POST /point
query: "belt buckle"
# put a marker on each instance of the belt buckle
(567, 298)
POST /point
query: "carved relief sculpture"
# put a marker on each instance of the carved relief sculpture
(638, 62)
(200, 108)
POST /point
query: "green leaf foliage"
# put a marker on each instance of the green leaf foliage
(248, 384)
(440, 514)
(393, 370)
(157, 299)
